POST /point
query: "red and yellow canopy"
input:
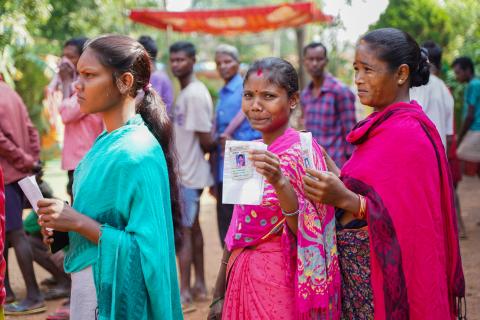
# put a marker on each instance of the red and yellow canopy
(232, 21)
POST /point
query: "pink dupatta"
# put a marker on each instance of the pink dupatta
(399, 164)
(310, 257)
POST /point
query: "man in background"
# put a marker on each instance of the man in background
(469, 135)
(434, 97)
(19, 158)
(80, 129)
(2, 244)
(159, 79)
(192, 117)
(437, 102)
(328, 106)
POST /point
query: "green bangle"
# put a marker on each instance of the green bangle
(215, 301)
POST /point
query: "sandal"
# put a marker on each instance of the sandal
(18, 309)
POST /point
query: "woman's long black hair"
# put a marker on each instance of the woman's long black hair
(124, 54)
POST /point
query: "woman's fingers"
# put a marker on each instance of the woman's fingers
(310, 181)
(312, 191)
(266, 173)
(314, 182)
(320, 175)
(265, 162)
(264, 156)
(256, 151)
(48, 222)
(45, 218)
(46, 210)
(46, 202)
(49, 206)
(315, 188)
(265, 166)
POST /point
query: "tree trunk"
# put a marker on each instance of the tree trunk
(300, 32)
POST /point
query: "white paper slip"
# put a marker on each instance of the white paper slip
(307, 149)
(31, 190)
(242, 184)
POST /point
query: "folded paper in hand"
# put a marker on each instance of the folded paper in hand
(31, 190)
(307, 149)
(242, 184)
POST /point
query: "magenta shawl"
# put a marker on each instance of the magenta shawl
(310, 257)
(400, 166)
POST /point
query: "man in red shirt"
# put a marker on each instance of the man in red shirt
(2, 236)
(19, 156)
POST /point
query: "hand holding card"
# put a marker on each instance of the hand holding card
(242, 184)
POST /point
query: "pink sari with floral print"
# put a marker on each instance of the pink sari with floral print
(273, 274)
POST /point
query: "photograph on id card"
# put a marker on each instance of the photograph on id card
(242, 184)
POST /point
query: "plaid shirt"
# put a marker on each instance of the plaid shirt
(330, 116)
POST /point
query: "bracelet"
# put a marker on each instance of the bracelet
(363, 208)
(225, 262)
(291, 214)
(214, 302)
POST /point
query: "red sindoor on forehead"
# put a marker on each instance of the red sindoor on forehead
(259, 72)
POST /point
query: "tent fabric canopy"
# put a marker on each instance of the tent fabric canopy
(232, 21)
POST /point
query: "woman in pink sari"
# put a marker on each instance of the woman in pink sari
(397, 233)
(280, 260)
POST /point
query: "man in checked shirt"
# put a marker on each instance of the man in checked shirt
(328, 106)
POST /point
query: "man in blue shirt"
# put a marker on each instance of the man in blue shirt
(230, 124)
(469, 135)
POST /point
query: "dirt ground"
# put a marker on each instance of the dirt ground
(469, 191)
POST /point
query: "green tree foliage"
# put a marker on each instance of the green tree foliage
(465, 15)
(17, 20)
(90, 18)
(466, 42)
(31, 29)
(453, 24)
(423, 19)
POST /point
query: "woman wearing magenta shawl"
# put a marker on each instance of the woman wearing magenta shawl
(397, 234)
(280, 260)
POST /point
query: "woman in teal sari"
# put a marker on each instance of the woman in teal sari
(122, 225)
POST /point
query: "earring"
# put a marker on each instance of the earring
(293, 106)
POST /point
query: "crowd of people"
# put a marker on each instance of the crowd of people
(366, 231)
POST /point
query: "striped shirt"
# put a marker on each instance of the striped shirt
(330, 116)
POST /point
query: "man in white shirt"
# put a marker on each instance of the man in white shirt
(435, 98)
(437, 102)
(192, 114)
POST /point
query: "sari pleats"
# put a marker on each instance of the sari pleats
(258, 286)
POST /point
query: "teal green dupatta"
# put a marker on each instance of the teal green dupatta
(123, 184)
